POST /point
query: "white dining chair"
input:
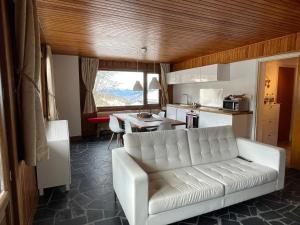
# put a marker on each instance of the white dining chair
(128, 128)
(162, 114)
(114, 126)
(165, 126)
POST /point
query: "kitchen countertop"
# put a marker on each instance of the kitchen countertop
(209, 109)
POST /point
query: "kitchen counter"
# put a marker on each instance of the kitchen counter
(209, 109)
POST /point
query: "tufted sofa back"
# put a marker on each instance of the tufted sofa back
(212, 144)
(158, 151)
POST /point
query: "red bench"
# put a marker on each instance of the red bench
(98, 121)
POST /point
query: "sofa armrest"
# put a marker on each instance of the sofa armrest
(130, 183)
(267, 155)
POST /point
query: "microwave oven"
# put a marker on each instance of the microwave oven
(236, 105)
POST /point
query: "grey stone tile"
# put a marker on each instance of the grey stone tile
(112, 221)
(44, 222)
(93, 215)
(76, 221)
(276, 223)
(44, 213)
(62, 215)
(253, 221)
(270, 215)
(228, 222)
(292, 217)
(207, 221)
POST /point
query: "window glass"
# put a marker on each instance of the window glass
(115, 88)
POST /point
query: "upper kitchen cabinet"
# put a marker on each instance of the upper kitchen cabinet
(216, 72)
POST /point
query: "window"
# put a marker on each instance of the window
(114, 88)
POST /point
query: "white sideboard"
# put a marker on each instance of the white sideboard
(215, 72)
(56, 171)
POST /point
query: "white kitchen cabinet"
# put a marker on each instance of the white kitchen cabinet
(181, 116)
(270, 123)
(208, 119)
(241, 123)
(215, 72)
(171, 112)
(189, 76)
(55, 171)
(177, 113)
(171, 78)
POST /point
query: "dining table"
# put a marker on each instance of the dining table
(145, 123)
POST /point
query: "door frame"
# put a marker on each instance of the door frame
(260, 70)
(259, 101)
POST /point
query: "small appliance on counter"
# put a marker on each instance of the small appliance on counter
(192, 120)
(236, 103)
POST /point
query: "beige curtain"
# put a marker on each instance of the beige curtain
(165, 68)
(29, 62)
(89, 68)
(52, 110)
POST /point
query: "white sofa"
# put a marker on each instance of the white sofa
(167, 176)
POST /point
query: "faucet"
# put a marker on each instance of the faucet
(187, 98)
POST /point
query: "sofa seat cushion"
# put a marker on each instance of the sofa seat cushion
(180, 187)
(238, 174)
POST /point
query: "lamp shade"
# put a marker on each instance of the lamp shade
(137, 86)
(154, 84)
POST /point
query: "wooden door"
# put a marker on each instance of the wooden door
(295, 156)
(5, 188)
(285, 95)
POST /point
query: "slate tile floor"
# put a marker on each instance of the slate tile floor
(91, 199)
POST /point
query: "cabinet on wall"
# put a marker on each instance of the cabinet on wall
(270, 123)
(215, 72)
(55, 171)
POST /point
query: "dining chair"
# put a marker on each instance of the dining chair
(165, 126)
(162, 114)
(114, 126)
(128, 128)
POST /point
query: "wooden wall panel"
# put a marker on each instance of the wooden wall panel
(288, 43)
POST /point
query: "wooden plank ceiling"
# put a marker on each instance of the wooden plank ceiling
(172, 30)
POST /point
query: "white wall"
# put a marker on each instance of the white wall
(243, 79)
(66, 74)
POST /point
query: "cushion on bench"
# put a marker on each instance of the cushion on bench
(180, 187)
(238, 174)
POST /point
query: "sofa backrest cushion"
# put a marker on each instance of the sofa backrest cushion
(212, 144)
(160, 150)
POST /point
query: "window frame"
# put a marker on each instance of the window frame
(145, 94)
